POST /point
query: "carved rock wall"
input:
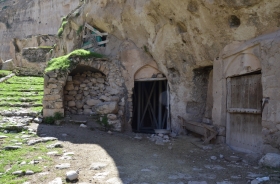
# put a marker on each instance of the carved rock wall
(19, 19)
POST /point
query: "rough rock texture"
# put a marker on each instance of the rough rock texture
(19, 19)
(181, 37)
(31, 54)
(91, 86)
(270, 160)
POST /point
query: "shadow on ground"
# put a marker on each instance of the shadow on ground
(129, 160)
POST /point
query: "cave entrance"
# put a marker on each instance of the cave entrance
(151, 106)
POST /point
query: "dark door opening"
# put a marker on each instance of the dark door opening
(150, 106)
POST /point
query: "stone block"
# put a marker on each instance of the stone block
(73, 92)
(111, 116)
(51, 112)
(100, 80)
(68, 97)
(69, 86)
(51, 97)
(71, 104)
(79, 104)
(107, 108)
(88, 111)
(47, 91)
(92, 102)
(69, 78)
(52, 86)
(270, 160)
(58, 105)
(8, 65)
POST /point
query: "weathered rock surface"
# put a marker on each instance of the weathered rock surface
(270, 160)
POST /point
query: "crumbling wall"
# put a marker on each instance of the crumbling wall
(86, 93)
(29, 55)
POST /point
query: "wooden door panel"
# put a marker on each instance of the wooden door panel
(244, 113)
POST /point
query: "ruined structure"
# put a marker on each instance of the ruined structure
(174, 45)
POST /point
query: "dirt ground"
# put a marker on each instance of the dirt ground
(124, 159)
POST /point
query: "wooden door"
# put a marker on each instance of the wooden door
(244, 95)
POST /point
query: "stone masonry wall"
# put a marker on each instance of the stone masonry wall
(87, 92)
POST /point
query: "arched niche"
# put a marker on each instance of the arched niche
(147, 72)
(243, 64)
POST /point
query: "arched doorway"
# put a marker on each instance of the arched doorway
(151, 111)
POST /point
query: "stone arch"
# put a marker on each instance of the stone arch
(241, 64)
(147, 71)
(55, 81)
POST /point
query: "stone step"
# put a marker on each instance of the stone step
(20, 105)
(19, 100)
(25, 112)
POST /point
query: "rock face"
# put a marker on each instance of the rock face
(19, 19)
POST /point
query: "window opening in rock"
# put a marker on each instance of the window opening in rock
(93, 39)
(150, 106)
(83, 90)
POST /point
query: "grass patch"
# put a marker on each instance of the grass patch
(22, 92)
(4, 73)
(51, 119)
(10, 161)
(63, 63)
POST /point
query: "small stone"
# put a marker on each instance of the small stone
(56, 181)
(166, 137)
(111, 116)
(12, 148)
(221, 156)
(3, 137)
(28, 172)
(23, 163)
(213, 158)
(62, 166)
(161, 135)
(64, 135)
(83, 126)
(56, 145)
(18, 173)
(159, 142)
(97, 165)
(109, 132)
(72, 175)
(68, 153)
(52, 153)
(38, 120)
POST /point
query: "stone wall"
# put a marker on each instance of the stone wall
(96, 88)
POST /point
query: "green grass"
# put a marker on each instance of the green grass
(63, 63)
(12, 159)
(25, 92)
(4, 73)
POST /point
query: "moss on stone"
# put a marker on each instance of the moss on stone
(63, 63)
(61, 29)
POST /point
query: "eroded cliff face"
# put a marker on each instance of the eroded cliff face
(19, 19)
(182, 37)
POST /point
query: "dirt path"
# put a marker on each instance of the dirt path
(124, 159)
